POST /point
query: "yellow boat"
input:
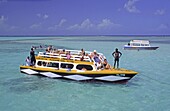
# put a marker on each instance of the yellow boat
(58, 65)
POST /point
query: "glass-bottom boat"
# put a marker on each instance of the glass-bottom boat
(76, 67)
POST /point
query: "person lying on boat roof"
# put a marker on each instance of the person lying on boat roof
(62, 51)
(55, 50)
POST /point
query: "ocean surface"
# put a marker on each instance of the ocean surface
(147, 91)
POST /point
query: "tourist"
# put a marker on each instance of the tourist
(68, 55)
(106, 64)
(82, 53)
(27, 61)
(32, 55)
(116, 54)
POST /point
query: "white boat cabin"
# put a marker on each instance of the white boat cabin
(139, 43)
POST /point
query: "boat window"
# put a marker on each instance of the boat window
(39, 63)
(44, 63)
(64, 65)
(82, 66)
(135, 44)
(50, 64)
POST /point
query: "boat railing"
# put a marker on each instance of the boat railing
(75, 55)
(64, 56)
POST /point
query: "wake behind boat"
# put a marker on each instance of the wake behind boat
(139, 45)
(76, 65)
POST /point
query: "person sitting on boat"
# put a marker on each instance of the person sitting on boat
(82, 53)
(106, 64)
(93, 54)
(82, 58)
(116, 54)
(28, 62)
(50, 48)
(47, 51)
(68, 55)
(84, 69)
(99, 65)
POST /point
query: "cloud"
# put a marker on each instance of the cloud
(163, 26)
(59, 25)
(3, 19)
(62, 21)
(85, 25)
(36, 26)
(3, 1)
(107, 24)
(4, 26)
(160, 12)
(43, 16)
(130, 6)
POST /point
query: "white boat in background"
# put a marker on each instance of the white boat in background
(139, 45)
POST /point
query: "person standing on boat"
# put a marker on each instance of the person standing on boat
(116, 54)
(32, 55)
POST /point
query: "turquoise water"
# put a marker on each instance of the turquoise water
(147, 91)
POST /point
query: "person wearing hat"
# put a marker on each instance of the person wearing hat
(116, 54)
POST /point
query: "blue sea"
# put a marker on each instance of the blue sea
(147, 91)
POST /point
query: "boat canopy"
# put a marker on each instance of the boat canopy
(140, 41)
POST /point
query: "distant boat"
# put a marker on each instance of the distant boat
(139, 45)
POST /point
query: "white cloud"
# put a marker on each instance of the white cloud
(130, 6)
(88, 25)
(73, 27)
(36, 26)
(163, 26)
(2, 19)
(107, 24)
(43, 16)
(85, 25)
(160, 12)
(62, 21)
(59, 25)
(5, 26)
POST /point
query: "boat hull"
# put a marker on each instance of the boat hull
(121, 75)
(140, 48)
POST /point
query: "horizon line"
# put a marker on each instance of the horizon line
(140, 35)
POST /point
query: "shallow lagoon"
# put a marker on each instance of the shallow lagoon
(149, 90)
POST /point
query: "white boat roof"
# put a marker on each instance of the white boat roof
(140, 41)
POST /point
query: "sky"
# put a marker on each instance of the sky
(84, 17)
